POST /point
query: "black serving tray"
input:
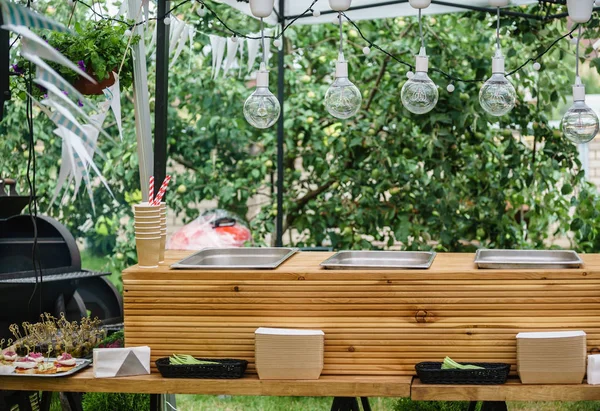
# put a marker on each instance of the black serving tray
(227, 368)
(493, 373)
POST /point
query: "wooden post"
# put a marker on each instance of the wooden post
(143, 129)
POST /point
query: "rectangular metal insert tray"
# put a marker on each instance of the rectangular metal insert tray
(507, 259)
(236, 259)
(81, 364)
(389, 260)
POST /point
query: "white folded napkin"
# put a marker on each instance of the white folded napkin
(121, 362)
(593, 369)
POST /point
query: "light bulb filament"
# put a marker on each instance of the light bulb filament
(420, 96)
(261, 111)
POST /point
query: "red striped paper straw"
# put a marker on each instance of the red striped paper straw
(151, 191)
(162, 191)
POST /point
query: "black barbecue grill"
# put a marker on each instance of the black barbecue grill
(66, 287)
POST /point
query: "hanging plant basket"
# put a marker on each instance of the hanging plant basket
(87, 88)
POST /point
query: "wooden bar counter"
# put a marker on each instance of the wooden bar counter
(377, 322)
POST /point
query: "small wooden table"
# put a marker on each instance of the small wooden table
(345, 388)
(326, 386)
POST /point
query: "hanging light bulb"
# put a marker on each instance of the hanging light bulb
(262, 109)
(580, 123)
(497, 96)
(420, 94)
(343, 98)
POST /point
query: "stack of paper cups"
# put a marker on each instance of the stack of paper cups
(163, 231)
(593, 369)
(147, 234)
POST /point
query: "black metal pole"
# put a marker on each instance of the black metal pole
(4, 67)
(162, 95)
(280, 96)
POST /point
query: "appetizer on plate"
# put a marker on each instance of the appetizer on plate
(46, 368)
(10, 356)
(65, 362)
(25, 366)
(35, 356)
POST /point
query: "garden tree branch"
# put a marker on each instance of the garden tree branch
(377, 83)
(186, 163)
(303, 201)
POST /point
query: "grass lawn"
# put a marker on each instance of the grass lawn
(227, 403)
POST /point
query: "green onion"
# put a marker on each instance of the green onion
(184, 359)
(450, 364)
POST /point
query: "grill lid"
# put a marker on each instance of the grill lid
(57, 249)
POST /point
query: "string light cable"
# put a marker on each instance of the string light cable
(316, 13)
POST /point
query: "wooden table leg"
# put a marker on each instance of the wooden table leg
(494, 406)
(472, 406)
(365, 403)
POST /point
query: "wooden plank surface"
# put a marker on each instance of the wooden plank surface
(378, 322)
(326, 386)
(305, 266)
(513, 390)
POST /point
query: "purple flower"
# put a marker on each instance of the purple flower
(45, 96)
(81, 65)
(17, 69)
(79, 103)
(65, 92)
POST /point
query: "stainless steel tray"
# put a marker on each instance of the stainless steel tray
(81, 364)
(507, 259)
(389, 260)
(236, 259)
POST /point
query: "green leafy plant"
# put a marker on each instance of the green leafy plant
(98, 47)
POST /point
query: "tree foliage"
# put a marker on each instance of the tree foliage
(453, 179)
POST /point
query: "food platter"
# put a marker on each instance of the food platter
(80, 364)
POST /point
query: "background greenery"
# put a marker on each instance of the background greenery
(451, 180)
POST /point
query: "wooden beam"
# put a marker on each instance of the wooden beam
(326, 386)
(513, 390)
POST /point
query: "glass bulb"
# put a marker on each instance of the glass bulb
(262, 109)
(497, 96)
(419, 94)
(580, 123)
(343, 98)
